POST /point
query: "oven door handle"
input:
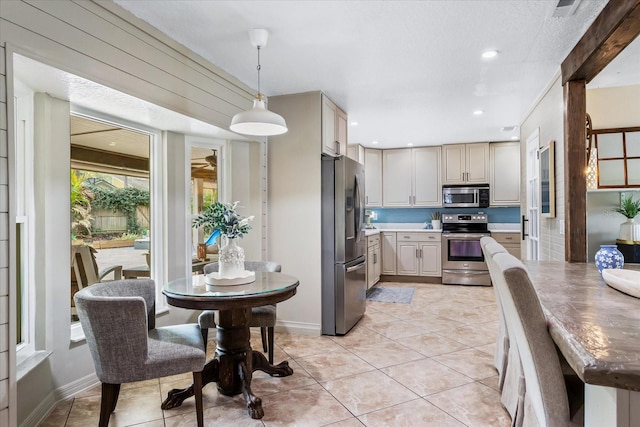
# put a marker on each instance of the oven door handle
(465, 236)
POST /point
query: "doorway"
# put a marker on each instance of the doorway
(533, 195)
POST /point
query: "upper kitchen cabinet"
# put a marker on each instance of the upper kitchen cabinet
(356, 152)
(334, 128)
(504, 181)
(372, 178)
(411, 177)
(465, 163)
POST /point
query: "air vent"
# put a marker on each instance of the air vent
(509, 128)
(565, 8)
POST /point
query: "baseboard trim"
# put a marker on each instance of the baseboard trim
(300, 328)
(45, 407)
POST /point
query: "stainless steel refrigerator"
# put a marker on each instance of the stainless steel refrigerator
(344, 286)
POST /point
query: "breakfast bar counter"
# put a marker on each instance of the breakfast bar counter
(597, 329)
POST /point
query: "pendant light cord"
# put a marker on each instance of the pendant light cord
(258, 68)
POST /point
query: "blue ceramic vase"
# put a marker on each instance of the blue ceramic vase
(608, 256)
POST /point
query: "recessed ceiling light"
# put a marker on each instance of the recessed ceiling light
(490, 54)
(354, 123)
(112, 143)
(515, 137)
(410, 144)
(374, 142)
(478, 112)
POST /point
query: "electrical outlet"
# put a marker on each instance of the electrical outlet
(561, 226)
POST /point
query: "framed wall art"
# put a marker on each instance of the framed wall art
(547, 181)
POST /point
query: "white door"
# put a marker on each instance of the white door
(533, 195)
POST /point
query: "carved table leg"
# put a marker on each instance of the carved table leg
(260, 363)
(254, 403)
(175, 397)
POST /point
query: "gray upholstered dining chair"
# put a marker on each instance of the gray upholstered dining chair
(118, 319)
(546, 401)
(263, 317)
(490, 247)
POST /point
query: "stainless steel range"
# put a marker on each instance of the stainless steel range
(462, 258)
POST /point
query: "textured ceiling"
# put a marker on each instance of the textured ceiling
(406, 71)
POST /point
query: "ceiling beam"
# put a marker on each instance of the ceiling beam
(109, 158)
(617, 25)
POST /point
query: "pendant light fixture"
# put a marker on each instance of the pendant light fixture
(258, 121)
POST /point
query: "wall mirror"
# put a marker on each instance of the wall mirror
(547, 181)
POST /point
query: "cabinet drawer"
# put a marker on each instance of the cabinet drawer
(418, 237)
(373, 240)
(506, 237)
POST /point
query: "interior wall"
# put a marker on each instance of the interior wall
(7, 300)
(547, 115)
(614, 107)
(294, 200)
(246, 187)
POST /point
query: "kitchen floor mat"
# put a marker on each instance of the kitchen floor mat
(386, 294)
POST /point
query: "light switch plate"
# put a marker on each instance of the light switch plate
(561, 226)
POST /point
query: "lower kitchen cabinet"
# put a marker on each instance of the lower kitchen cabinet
(510, 241)
(388, 246)
(418, 254)
(374, 260)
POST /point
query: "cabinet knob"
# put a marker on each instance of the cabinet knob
(431, 237)
(406, 237)
(508, 238)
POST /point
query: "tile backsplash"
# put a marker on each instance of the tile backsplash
(420, 215)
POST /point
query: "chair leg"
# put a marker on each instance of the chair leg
(205, 334)
(108, 402)
(270, 332)
(263, 333)
(197, 389)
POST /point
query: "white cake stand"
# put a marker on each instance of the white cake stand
(214, 279)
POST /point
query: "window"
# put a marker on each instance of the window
(206, 159)
(618, 157)
(110, 202)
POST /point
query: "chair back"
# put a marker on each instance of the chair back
(256, 266)
(84, 266)
(546, 402)
(116, 317)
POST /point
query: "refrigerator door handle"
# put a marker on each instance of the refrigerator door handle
(359, 214)
(356, 267)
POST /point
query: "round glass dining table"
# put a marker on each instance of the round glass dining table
(235, 361)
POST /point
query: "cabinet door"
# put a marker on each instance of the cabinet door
(370, 267)
(477, 163)
(504, 176)
(373, 178)
(377, 262)
(341, 131)
(430, 259)
(407, 258)
(453, 164)
(396, 178)
(427, 176)
(329, 145)
(388, 246)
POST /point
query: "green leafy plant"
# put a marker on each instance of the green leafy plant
(125, 200)
(81, 198)
(629, 208)
(223, 218)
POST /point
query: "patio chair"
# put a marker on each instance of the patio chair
(263, 317)
(84, 269)
(118, 319)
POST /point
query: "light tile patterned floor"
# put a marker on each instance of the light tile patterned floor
(428, 363)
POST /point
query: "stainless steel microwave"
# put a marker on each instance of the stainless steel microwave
(465, 196)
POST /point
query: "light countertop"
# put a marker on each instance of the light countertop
(420, 228)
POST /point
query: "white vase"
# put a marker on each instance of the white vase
(231, 260)
(435, 223)
(629, 230)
